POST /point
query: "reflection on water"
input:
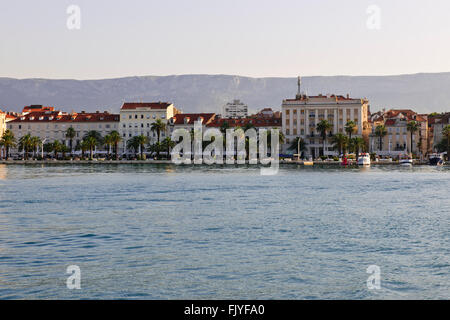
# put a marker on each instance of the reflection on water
(224, 232)
(3, 170)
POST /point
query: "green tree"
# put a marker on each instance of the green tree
(8, 141)
(57, 147)
(133, 143)
(158, 126)
(70, 134)
(350, 128)
(412, 127)
(168, 144)
(25, 145)
(107, 140)
(90, 143)
(323, 127)
(34, 144)
(340, 142)
(358, 145)
(298, 145)
(380, 132)
(115, 139)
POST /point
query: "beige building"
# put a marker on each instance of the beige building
(301, 115)
(2, 123)
(397, 141)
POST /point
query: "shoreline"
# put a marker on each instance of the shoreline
(157, 162)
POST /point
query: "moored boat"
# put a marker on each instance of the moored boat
(364, 159)
(405, 160)
(436, 159)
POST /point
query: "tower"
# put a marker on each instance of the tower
(299, 85)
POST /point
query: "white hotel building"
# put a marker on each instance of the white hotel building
(136, 119)
(302, 114)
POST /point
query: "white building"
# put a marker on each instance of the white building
(51, 125)
(136, 119)
(235, 109)
(301, 115)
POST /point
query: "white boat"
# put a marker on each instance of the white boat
(364, 159)
(405, 160)
(436, 159)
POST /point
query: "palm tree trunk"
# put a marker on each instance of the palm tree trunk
(115, 150)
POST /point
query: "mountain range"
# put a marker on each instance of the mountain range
(424, 92)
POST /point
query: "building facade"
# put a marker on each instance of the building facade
(301, 115)
(397, 140)
(136, 119)
(437, 126)
(235, 109)
(2, 123)
(51, 125)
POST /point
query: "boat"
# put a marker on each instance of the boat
(436, 159)
(405, 160)
(364, 159)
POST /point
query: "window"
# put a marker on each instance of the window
(129, 117)
(135, 116)
(142, 116)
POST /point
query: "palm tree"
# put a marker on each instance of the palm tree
(25, 144)
(358, 144)
(323, 126)
(64, 149)
(108, 142)
(8, 141)
(142, 140)
(90, 142)
(84, 146)
(340, 142)
(34, 143)
(299, 145)
(412, 127)
(115, 139)
(168, 144)
(350, 128)
(56, 147)
(70, 134)
(446, 133)
(158, 126)
(134, 144)
(381, 132)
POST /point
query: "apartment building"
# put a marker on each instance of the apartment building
(397, 140)
(50, 125)
(235, 109)
(301, 115)
(136, 119)
(436, 126)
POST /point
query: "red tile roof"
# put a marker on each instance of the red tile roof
(151, 105)
(57, 116)
(192, 117)
(36, 108)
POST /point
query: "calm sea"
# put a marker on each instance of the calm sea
(168, 232)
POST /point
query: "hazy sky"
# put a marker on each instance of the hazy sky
(243, 37)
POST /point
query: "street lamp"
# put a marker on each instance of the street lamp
(42, 150)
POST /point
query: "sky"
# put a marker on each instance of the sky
(256, 38)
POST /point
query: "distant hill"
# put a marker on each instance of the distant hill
(201, 93)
